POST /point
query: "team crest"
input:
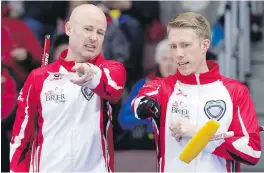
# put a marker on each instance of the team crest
(215, 109)
(87, 93)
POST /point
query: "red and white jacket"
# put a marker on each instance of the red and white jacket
(61, 126)
(200, 98)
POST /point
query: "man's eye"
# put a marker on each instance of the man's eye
(185, 45)
(173, 47)
(88, 29)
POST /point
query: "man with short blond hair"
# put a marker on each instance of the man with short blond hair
(181, 104)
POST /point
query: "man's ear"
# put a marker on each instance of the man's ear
(205, 45)
(68, 28)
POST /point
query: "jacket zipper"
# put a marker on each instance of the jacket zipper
(198, 85)
(198, 101)
(73, 127)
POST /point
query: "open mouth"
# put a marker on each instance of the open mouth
(89, 46)
(183, 63)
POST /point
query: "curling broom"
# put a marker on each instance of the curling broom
(45, 56)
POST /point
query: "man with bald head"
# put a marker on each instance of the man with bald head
(86, 29)
(63, 120)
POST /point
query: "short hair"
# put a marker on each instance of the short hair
(192, 20)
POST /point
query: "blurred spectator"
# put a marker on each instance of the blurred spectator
(21, 52)
(135, 35)
(16, 8)
(218, 32)
(116, 45)
(147, 13)
(144, 11)
(20, 49)
(143, 25)
(168, 9)
(9, 93)
(60, 43)
(141, 129)
(42, 16)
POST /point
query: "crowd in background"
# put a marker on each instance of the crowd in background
(136, 37)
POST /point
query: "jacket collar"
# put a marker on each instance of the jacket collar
(69, 64)
(204, 78)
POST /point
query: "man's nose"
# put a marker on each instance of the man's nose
(93, 36)
(180, 53)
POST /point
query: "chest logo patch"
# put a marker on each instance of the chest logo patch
(56, 95)
(180, 109)
(87, 93)
(215, 109)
